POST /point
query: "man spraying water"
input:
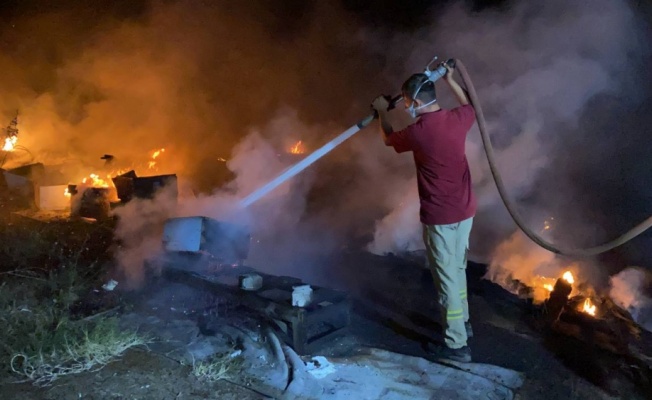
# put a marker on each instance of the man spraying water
(437, 141)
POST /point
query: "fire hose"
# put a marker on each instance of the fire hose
(513, 212)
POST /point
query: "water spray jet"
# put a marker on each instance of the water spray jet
(259, 193)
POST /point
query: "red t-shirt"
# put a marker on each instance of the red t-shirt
(437, 140)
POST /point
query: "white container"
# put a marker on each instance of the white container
(183, 234)
(52, 198)
(251, 282)
(222, 240)
(301, 295)
(110, 285)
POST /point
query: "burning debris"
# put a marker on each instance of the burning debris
(95, 197)
(129, 185)
(92, 196)
(567, 308)
(90, 202)
(11, 135)
(585, 328)
(568, 277)
(589, 307)
(12, 152)
(10, 143)
(594, 320)
(563, 291)
(94, 180)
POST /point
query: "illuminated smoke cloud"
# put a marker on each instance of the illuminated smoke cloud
(630, 289)
(210, 82)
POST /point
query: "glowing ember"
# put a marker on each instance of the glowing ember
(548, 287)
(297, 148)
(10, 143)
(94, 180)
(152, 163)
(589, 307)
(568, 277)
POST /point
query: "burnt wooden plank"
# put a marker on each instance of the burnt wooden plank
(301, 327)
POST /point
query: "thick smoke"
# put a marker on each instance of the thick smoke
(191, 77)
(140, 231)
(538, 69)
(398, 231)
(630, 289)
(211, 82)
(254, 161)
(227, 88)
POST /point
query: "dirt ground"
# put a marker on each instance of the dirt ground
(501, 338)
(138, 375)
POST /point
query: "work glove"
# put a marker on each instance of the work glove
(380, 103)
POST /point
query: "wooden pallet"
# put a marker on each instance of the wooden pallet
(303, 328)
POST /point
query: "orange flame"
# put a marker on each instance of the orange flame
(118, 172)
(67, 193)
(152, 163)
(589, 307)
(297, 148)
(94, 180)
(10, 143)
(568, 277)
(544, 285)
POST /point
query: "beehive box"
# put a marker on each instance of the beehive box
(222, 240)
(52, 198)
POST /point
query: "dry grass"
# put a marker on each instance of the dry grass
(223, 366)
(41, 280)
(40, 341)
(97, 346)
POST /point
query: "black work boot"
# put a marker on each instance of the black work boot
(469, 329)
(442, 352)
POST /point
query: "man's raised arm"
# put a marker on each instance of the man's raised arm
(460, 94)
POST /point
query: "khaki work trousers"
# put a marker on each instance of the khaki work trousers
(447, 247)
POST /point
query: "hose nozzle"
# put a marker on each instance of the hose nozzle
(440, 71)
